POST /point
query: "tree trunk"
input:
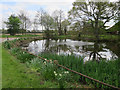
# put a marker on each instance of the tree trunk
(96, 30)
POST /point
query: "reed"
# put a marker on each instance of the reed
(106, 71)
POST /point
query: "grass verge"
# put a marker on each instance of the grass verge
(106, 71)
(9, 36)
(0, 66)
(17, 75)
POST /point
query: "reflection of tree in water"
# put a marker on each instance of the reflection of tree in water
(95, 49)
(59, 46)
(35, 47)
(54, 48)
(46, 45)
(114, 47)
(94, 53)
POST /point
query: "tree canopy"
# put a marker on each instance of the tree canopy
(13, 24)
(94, 12)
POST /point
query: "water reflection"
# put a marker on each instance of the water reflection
(88, 50)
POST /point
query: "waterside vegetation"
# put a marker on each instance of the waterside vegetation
(106, 71)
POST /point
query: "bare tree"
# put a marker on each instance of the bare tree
(35, 24)
(58, 16)
(39, 17)
(47, 22)
(26, 23)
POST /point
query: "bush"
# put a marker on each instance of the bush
(24, 57)
(7, 45)
(35, 64)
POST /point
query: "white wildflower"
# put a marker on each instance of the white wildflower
(60, 75)
(67, 72)
(45, 63)
(45, 59)
(50, 61)
(55, 74)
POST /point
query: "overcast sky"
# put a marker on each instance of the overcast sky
(8, 7)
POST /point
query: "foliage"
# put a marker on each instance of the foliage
(7, 44)
(13, 24)
(116, 27)
(17, 75)
(50, 71)
(47, 21)
(106, 71)
(93, 12)
(65, 23)
(35, 64)
(9, 36)
(58, 16)
(21, 55)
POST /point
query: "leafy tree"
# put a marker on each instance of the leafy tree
(93, 11)
(13, 24)
(117, 18)
(65, 23)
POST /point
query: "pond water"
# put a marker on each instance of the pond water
(88, 50)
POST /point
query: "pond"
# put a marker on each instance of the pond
(88, 50)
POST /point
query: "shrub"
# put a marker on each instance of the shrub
(7, 45)
(35, 64)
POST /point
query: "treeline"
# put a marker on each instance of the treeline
(21, 23)
(88, 17)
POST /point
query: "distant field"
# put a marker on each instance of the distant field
(20, 35)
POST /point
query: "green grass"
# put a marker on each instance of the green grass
(106, 71)
(9, 36)
(24, 71)
(0, 65)
(17, 75)
(89, 37)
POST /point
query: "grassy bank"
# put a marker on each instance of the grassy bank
(0, 66)
(105, 71)
(90, 37)
(17, 75)
(23, 70)
(9, 36)
(72, 36)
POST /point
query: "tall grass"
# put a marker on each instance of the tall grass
(106, 71)
(9, 36)
(50, 71)
(21, 55)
